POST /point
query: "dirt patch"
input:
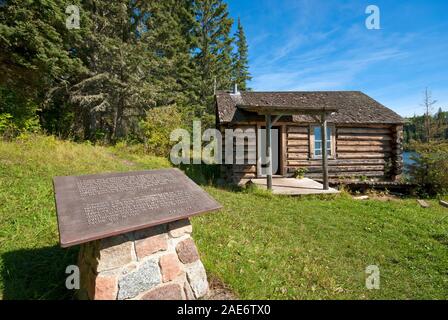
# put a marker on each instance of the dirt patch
(219, 291)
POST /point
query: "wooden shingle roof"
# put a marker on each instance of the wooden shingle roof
(352, 106)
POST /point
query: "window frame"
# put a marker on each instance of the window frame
(332, 141)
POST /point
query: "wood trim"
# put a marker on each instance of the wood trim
(333, 141)
(284, 151)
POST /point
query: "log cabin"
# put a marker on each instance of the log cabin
(363, 137)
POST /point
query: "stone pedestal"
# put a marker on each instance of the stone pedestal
(158, 263)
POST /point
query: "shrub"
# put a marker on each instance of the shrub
(7, 127)
(157, 127)
(18, 114)
(430, 170)
(300, 173)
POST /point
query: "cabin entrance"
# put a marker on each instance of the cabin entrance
(276, 151)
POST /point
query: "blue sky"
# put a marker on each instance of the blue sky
(324, 45)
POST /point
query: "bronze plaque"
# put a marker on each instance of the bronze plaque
(98, 206)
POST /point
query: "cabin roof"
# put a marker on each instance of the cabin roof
(350, 106)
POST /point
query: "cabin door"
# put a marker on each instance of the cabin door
(261, 151)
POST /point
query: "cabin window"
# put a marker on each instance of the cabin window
(317, 142)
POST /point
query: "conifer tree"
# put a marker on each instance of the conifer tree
(240, 58)
(117, 90)
(214, 49)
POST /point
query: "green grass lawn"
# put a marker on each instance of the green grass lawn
(261, 246)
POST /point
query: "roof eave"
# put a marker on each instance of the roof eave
(286, 110)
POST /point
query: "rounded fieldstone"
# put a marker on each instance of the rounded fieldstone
(114, 252)
(106, 287)
(187, 251)
(172, 291)
(170, 267)
(197, 278)
(150, 245)
(145, 277)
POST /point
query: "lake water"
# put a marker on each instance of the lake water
(407, 161)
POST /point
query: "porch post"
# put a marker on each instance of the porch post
(324, 152)
(268, 152)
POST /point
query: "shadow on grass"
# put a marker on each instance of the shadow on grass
(37, 274)
(202, 174)
(209, 175)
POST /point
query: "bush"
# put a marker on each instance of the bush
(300, 173)
(7, 127)
(157, 128)
(430, 170)
(18, 114)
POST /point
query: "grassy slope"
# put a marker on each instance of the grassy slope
(261, 246)
(32, 265)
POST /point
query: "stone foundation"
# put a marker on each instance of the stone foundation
(158, 263)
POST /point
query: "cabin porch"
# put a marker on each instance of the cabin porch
(294, 187)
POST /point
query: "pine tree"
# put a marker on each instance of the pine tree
(213, 55)
(240, 59)
(116, 92)
(38, 51)
(169, 35)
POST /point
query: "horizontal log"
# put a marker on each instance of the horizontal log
(298, 142)
(347, 174)
(364, 137)
(364, 130)
(293, 163)
(298, 149)
(362, 143)
(343, 162)
(362, 155)
(364, 149)
(293, 129)
(299, 136)
(335, 169)
(297, 156)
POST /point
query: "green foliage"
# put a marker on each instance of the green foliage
(7, 127)
(17, 114)
(37, 48)
(157, 127)
(431, 167)
(213, 55)
(97, 83)
(299, 173)
(414, 128)
(241, 58)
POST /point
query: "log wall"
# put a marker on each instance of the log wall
(372, 151)
(358, 152)
(242, 168)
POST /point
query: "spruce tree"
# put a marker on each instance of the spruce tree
(213, 55)
(168, 34)
(38, 52)
(114, 95)
(240, 59)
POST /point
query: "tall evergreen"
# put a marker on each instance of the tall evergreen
(38, 53)
(114, 94)
(128, 56)
(168, 33)
(241, 58)
(213, 56)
